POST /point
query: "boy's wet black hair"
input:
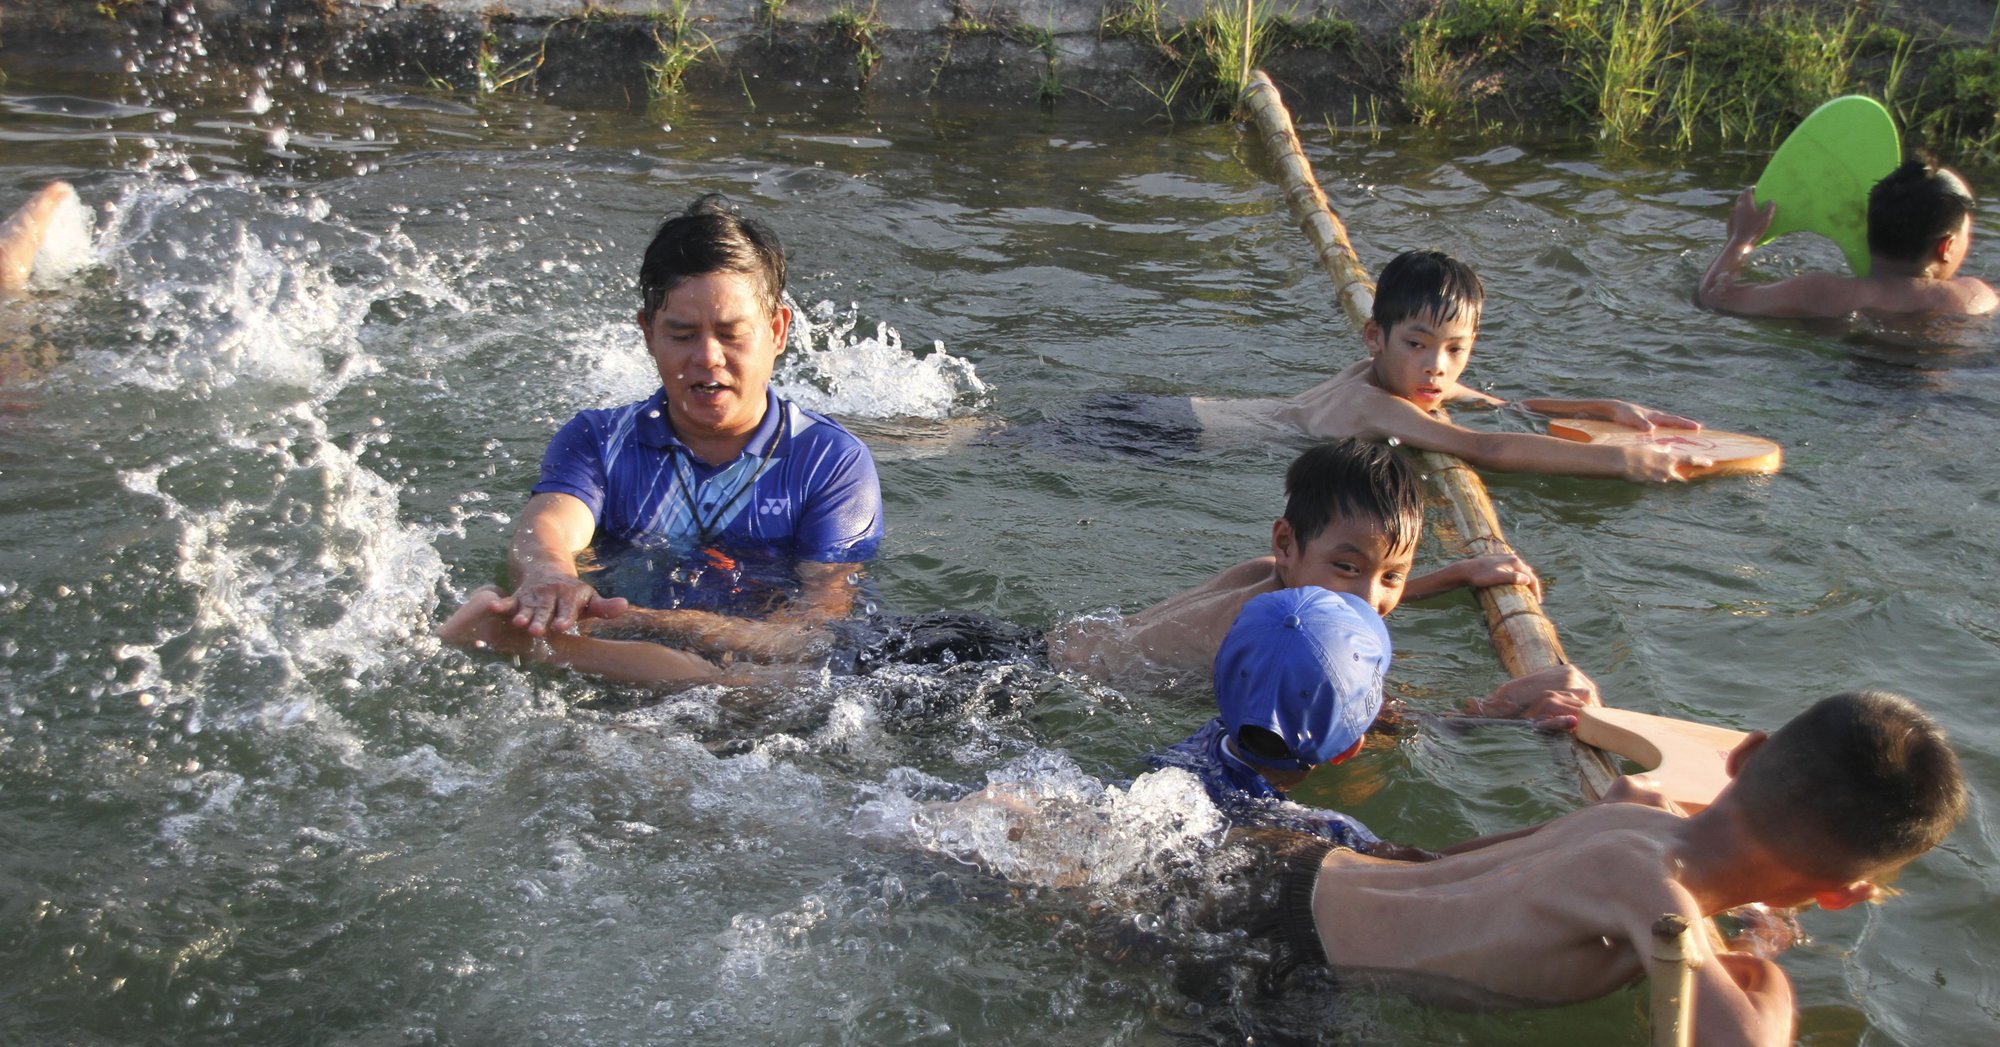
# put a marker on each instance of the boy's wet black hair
(1352, 480)
(1426, 283)
(1914, 207)
(710, 237)
(1854, 786)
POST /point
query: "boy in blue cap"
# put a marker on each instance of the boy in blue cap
(1298, 681)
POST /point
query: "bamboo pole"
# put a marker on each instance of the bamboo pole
(1523, 637)
(1672, 977)
(1308, 203)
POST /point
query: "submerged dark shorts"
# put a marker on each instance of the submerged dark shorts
(1135, 425)
(941, 638)
(1292, 869)
(1249, 911)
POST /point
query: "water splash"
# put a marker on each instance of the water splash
(1041, 820)
(300, 575)
(872, 376)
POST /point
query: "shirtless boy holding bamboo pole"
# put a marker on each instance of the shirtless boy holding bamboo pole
(1419, 339)
(1844, 794)
(1354, 512)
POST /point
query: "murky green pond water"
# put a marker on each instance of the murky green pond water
(302, 386)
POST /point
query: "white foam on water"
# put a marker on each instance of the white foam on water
(219, 791)
(302, 570)
(235, 308)
(825, 368)
(263, 599)
(1041, 820)
(828, 369)
(616, 367)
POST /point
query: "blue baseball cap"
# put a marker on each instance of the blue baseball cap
(1307, 665)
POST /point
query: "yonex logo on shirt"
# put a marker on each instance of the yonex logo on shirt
(775, 507)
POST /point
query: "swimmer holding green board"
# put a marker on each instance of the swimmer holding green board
(1904, 229)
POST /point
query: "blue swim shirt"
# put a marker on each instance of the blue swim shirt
(803, 489)
(1246, 799)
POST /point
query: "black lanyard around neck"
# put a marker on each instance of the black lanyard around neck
(708, 529)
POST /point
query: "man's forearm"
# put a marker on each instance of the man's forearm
(553, 530)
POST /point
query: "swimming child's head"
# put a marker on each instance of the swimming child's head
(1853, 787)
(1426, 318)
(1914, 209)
(1353, 514)
(710, 237)
(1427, 284)
(1299, 677)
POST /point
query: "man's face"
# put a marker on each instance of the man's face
(1349, 556)
(715, 347)
(1421, 357)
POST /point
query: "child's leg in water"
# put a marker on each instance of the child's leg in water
(21, 237)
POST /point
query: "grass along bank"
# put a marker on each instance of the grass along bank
(1643, 73)
(1685, 73)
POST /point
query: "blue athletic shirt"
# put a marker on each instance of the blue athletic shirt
(804, 488)
(1245, 798)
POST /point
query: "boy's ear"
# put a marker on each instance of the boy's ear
(1850, 895)
(1284, 542)
(1733, 763)
(1351, 752)
(1371, 336)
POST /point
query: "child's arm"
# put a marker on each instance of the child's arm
(485, 624)
(627, 661)
(1623, 412)
(1738, 999)
(1548, 697)
(22, 235)
(1805, 295)
(1478, 572)
(1180, 633)
(1387, 417)
(784, 637)
(1462, 395)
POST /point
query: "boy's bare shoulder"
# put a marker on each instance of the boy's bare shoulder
(1976, 297)
(1834, 295)
(1607, 853)
(1218, 597)
(1254, 572)
(1350, 405)
(1578, 896)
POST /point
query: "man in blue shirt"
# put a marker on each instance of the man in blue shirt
(749, 501)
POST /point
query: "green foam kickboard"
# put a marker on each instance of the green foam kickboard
(1821, 175)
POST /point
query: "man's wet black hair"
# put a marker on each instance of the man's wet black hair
(1426, 283)
(1352, 480)
(710, 237)
(1913, 208)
